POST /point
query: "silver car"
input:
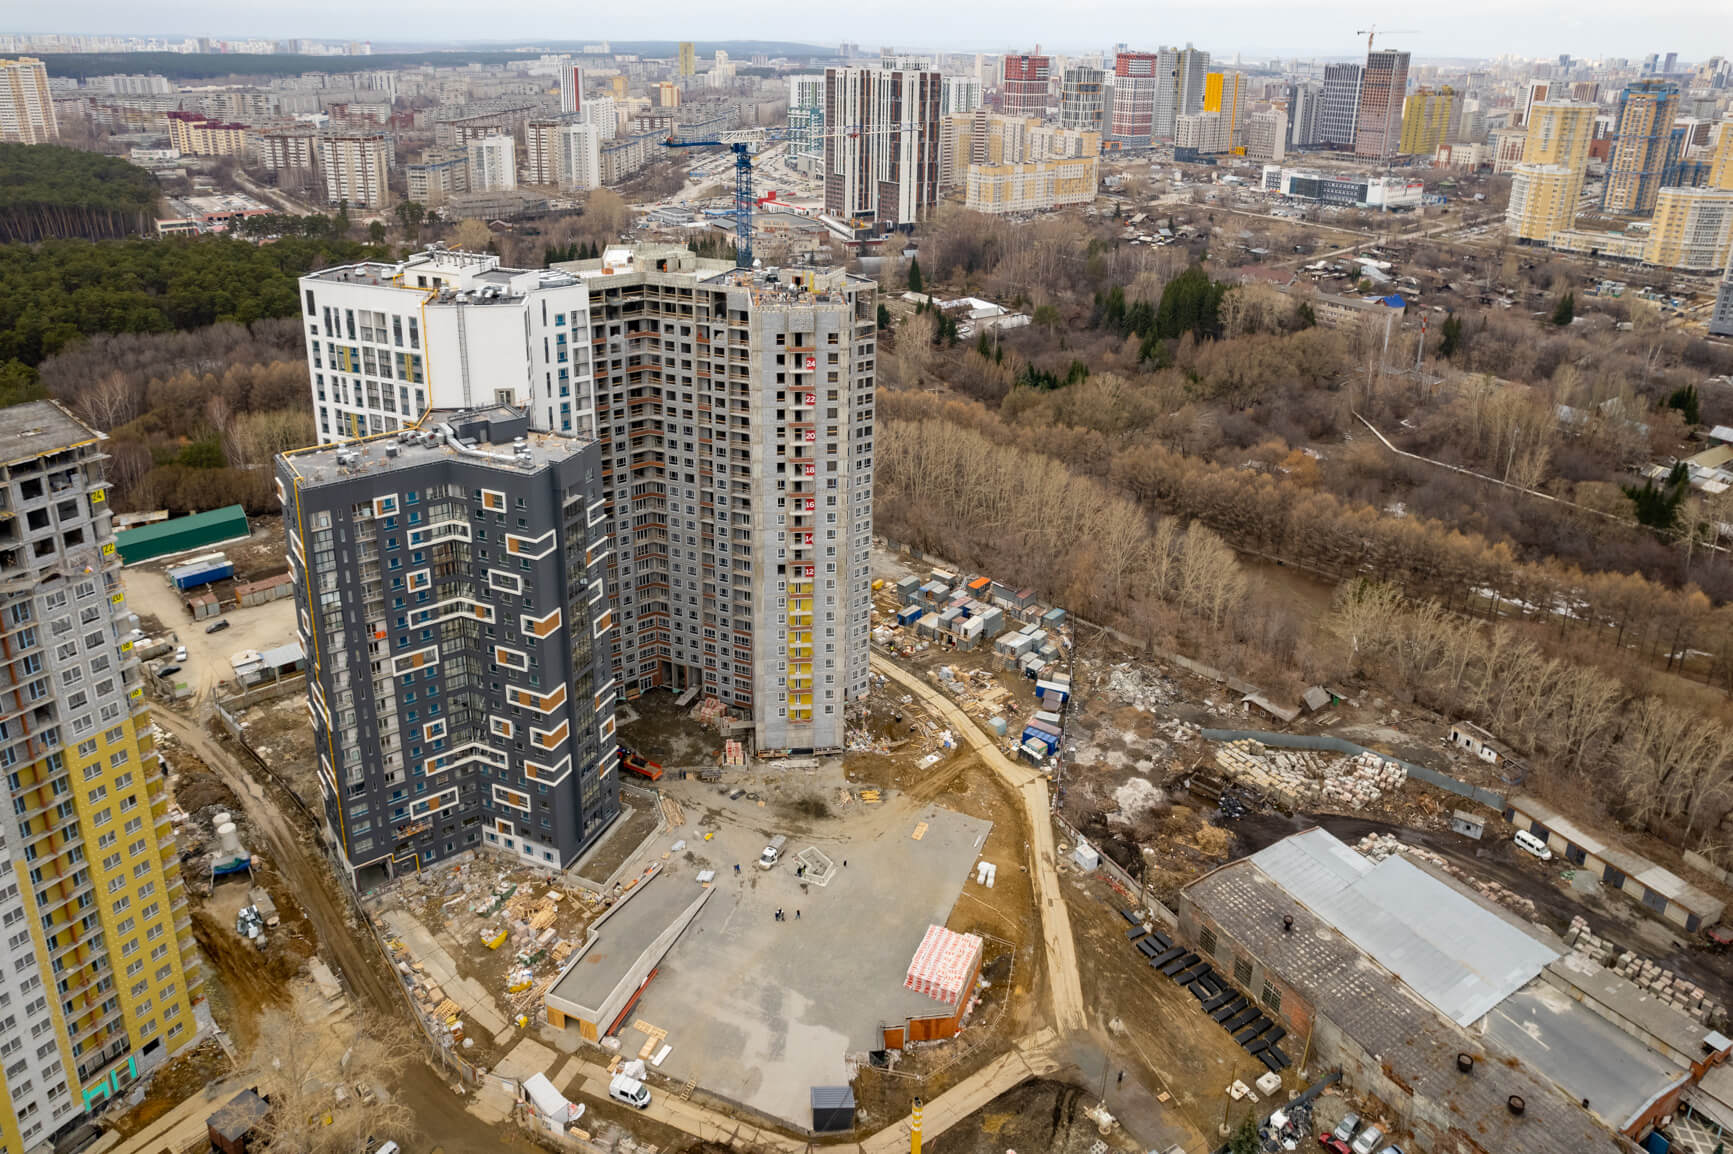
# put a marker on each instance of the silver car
(1344, 1131)
(1367, 1141)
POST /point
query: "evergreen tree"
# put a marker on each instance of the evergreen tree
(1450, 340)
(1685, 400)
(1566, 310)
(884, 318)
(915, 281)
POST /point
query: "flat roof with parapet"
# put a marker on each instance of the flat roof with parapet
(409, 447)
(619, 942)
(1655, 877)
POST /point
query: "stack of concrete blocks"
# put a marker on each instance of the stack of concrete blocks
(1312, 778)
(1685, 996)
(1379, 846)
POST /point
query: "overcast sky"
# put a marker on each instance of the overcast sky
(1696, 29)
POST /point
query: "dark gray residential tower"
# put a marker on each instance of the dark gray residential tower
(452, 602)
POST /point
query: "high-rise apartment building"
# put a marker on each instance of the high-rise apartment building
(1383, 86)
(1304, 100)
(1547, 184)
(959, 94)
(1721, 157)
(564, 151)
(1339, 109)
(26, 105)
(1429, 118)
(604, 114)
(1691, 230)
(1643, 147)
(1179, 88)
(493, 163)
(355, 166)
(440, 172)
(290, 148)
(1081, 100)
(1721, 319)
(451, 591)
(688, 60)
(571, 87)
(100, 974)
(1135, 81)
(1224, 93)
(1266, 135)
(738, 489)
(193, 134)
(881, 144)
(1023, 90)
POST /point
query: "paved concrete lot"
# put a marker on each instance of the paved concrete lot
(259, 627)
(761, 1010)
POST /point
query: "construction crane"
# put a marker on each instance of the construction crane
(743, 142)
(1373, 31)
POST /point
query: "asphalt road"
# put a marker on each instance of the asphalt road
(439, 1110)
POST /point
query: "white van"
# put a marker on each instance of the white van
(630, 1091)
(1533, 845)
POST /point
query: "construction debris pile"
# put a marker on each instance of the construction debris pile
(1304, 777)
(1139, 688)
(517, 929)
(1686, 996)
(1379, 846)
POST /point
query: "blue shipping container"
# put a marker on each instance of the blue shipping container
(193, 578)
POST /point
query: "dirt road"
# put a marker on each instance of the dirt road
(439, 1111)
(1031, 788)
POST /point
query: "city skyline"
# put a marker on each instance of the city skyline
(1598, 29)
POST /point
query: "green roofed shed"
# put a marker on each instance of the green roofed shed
(181, 534)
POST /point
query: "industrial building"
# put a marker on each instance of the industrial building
(100, 971)
(182, 534)
(450, 583)
(738, 490)
(1476, 1031)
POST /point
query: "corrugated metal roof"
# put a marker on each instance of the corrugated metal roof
(1461, 958)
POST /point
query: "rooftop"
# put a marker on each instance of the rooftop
(1633, 866)
(1416, 1047)
(37, 428)
(1454, 953)
(497, 437)
(617, 943)
(1587, 1055)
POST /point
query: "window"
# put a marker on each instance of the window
(1242, 970)
(1271, 996)
(1206, 941)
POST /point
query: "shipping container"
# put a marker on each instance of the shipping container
(201, 571)
(909, 614)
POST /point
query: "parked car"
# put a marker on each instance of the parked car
(1344, 1131)
(1333, 1144)
(217, 626)
(1391, 1149)
(1367, 1141)
(181, 654)
(1533, 845)
(168, 671)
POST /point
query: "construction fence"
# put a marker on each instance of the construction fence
(1443, 781)
(1134, 890)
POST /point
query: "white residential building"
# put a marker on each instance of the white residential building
(26, 105)
(493, 163)
(738, 490)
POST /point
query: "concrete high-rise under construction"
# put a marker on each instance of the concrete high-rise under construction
(1383, 87)
(732, 412)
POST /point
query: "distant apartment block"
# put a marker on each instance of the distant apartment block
(881, 159)
(959, 94)
(737, 491)
(1721, 320)
(1082, 98)
(1643, 147)
(1378, 122)
(1033, 187)
(287, 149)
(26, 105)
(1135, 81)
(1339, 109)
(1179, 88)
(564, 151)
(1023, 88)
(356, 167)
(493, 163)
(440, 173)
(451, 578)
(1429, 118)
(192, 134)
(571, 87)
(1266, 135)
